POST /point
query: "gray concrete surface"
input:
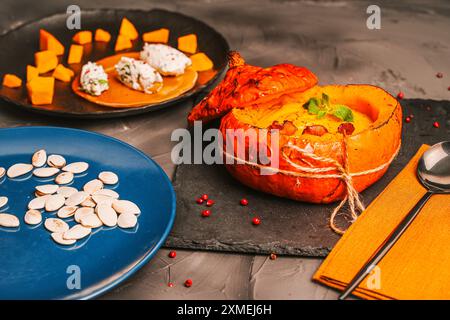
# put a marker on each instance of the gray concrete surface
(329, 37)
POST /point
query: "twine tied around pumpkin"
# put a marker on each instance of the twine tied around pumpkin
(343, 173)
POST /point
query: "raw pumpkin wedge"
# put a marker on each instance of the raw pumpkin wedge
(41, 90)
(62, 73)
(201, 62)
(157, 36)
(75, 54)
(45, 60)
(11, 81)
(122, 43)
(32, 72)
(188, 43)
(128, 30)
(102, 35)
(82, 37)
(47, 41)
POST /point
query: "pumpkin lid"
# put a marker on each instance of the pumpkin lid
(245, 84)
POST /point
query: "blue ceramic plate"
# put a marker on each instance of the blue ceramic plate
(32, 266)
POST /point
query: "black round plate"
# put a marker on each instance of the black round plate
(19, 45)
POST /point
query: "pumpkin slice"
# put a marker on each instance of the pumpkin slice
(11, 81)
(62, 73)
(188, 43)
(75, 54)
(41, 90)
(122, 43)
(157, 36)
(82, 37)
(245, 84)
(45, 60)
(102, 35)
(47, 41)
(32, 72)
(201, 62)
(128, 30)
(120, 96)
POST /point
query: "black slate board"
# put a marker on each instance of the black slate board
(288, 227)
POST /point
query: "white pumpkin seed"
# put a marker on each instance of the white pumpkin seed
(107, 215)
(32, 217)
(100, 199)
(76, 167)
(56, 161)
(2, 172)
(108, 177)
(127, 220)
(125, 206)
(77, 232)
(66, 212)
(54, 202)
(66, 191)
(107, 192)
(88, 203)
(76, 198)
(8, 220)
(38, 203)
(56, 225)
(91, 220)
(58, 238)
(45, 172)
(3, 201)
(93, 186)
(81, 212)
(19, 169)
(39, 158)
(64, 178)
(46, 189)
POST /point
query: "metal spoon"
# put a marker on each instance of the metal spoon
(433, 171)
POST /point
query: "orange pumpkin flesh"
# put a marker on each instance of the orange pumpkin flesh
(120, 96)
(374, 142)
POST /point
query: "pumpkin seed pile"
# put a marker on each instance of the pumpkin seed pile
(92, 207)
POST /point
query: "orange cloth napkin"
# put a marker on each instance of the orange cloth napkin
(418, 266)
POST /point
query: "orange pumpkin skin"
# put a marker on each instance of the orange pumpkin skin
(366, 150)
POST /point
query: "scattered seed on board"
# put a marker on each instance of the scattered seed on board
(64, 178)
(102, 199)
(81, 212)
(39, 158)
(54, 202)
(107, 192)
(8, 220)
(76, 198)
(32, 217)
(91, 220)
(88, 203)
(127, 220)
(2, 172)
(45, 172)
(19, 169)
(66, 212)
(66, 191)
(76, 167)
(46, 189)
(58, 238)
(125, 206)
(38, 203)
(108, 177)
(76, 232)
(3, 201)
(107, 214)
(93, 186)
(56, 225)
(56, 161)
